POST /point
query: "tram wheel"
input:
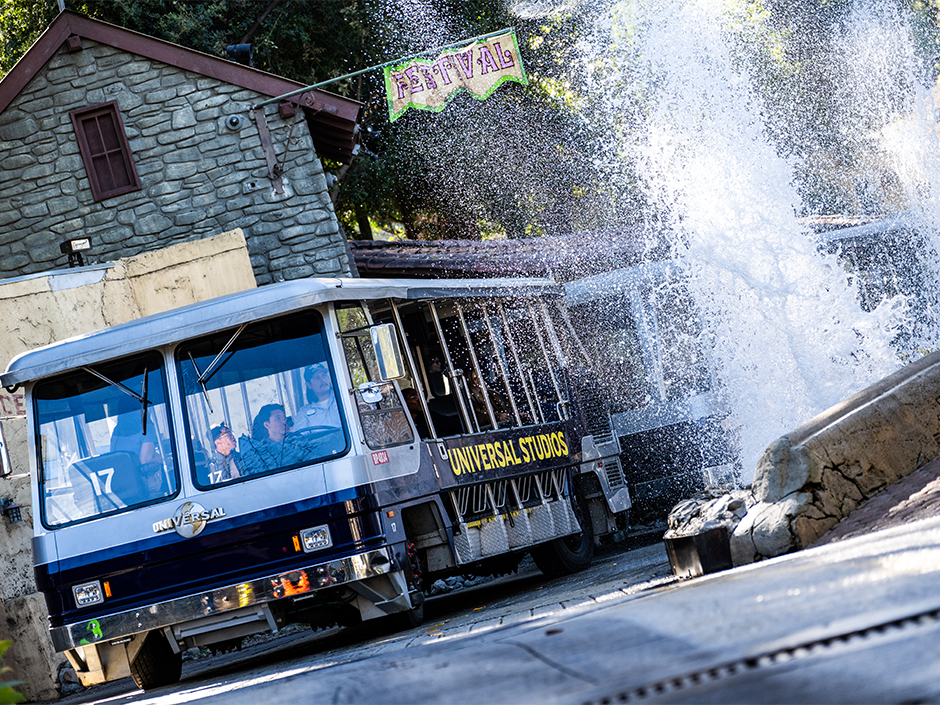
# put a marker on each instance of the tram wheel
(568, 554)
(155, 664)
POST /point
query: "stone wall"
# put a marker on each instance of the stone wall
(40, 309)
(811, 478)
(200, 173)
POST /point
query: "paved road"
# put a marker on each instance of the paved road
(854, 621)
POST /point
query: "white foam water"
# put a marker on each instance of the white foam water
(668, 85)
(786, 333)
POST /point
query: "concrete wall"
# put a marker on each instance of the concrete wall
(817, 474)
(199, 175)
(40, 309)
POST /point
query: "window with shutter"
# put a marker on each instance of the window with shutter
(105, 151)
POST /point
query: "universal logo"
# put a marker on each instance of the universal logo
(190, 519)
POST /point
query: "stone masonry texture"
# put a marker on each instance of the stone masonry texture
(200, 173)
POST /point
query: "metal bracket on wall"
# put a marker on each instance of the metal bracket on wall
(274, 169)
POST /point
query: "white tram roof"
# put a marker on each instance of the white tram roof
(245, 306)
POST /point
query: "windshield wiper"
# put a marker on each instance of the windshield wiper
(214, 366)
(142, 397)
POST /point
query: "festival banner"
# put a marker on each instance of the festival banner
(430, 84)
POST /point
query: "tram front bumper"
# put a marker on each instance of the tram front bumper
(117, 626)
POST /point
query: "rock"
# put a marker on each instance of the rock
(708, 510)
(68, 680)
(772, 534)
(783, 470)
(820, 472)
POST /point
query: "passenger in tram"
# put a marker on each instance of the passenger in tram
(224, 458)
(321, 408)
(442, 404)
(413, 402)
(497, 401)
(268, 449)
(128, 434)
(147, 480)
(436, 378)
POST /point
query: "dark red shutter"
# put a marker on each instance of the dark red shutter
(105, 151)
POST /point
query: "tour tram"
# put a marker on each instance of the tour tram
(315, 451)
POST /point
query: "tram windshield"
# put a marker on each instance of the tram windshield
(260, 399)
(104, 440)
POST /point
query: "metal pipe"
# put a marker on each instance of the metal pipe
(548, 362)
(504, 373)
(574, 335)
(327, 82)
(450, 365)
(538, 402)
(414, 370)
(515, 357)
(462, 384)
(552, 335)
(489, 495)
(476, 367)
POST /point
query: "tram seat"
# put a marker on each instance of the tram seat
(445, 416)
(114, 475)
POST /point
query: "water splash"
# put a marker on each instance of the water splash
(787, 336)
(669, 86)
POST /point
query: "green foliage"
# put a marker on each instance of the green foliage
(21, 23)
(7, 694)
(529, 160)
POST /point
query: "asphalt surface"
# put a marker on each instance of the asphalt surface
(852, 621)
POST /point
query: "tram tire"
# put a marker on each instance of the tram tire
(410, 619)
(155, 664)
(568, 554)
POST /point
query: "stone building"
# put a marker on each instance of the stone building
(149, 151)
(136, 144)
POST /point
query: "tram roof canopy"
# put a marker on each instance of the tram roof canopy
(254, 304)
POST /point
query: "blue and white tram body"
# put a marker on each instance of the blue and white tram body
(237, 464)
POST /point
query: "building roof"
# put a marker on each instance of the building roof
(332, 118)
(562, 257)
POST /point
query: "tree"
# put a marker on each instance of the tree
(21, 23)
(529, 160)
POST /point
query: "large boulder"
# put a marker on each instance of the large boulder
(814, 476)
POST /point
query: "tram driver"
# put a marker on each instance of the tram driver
(321, 408)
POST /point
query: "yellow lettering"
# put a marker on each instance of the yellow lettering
(561, 442)
(540, 447)
(511, 452)
(550, 446)
(474, 452)
(486, 455)
(467, 458)
(454, 458)
(524, 447)
(498, 454)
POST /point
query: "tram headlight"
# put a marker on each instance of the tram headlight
(88, 594)
(316, 538)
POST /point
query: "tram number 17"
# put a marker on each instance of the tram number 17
(106, 476)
